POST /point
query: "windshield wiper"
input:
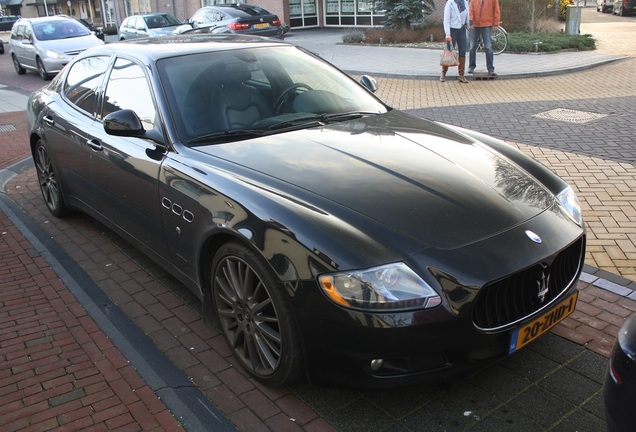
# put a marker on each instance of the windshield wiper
(234, 134)
(320, 119)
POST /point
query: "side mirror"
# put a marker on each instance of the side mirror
(123, 123)
(126, 123)
(369, 83)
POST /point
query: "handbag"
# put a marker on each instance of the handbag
(449, 58)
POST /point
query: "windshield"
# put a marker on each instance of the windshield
(161, 20)
(53, 30)
(238, 94)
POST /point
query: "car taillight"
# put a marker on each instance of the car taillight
(276, 23)
(614, 374)
(239, 26)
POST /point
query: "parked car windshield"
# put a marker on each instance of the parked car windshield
(53, 30)
(239, 94)
(161, 20)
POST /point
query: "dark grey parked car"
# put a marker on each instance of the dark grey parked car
(7, 21)
(619, 388)
(326, 234)
(624, 7)
(237, 18)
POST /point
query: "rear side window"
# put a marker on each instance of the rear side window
(18, 32)
(82, 82)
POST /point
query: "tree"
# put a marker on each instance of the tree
(401, 14)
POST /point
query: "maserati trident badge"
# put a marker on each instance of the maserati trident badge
(543, 284)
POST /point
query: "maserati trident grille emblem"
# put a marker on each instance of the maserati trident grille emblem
(543, 284)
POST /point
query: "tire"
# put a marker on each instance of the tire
(499, 41)
(49, 181)
(41, 70)
(254, 316)
(16, 65)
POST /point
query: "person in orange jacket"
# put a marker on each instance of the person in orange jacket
(485, 17)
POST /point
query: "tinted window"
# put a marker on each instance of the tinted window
(65, 29)
(128, 89)
(18, 32)
(82, 81)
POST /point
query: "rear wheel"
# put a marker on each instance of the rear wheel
(49, 182)
(16, 65)
(254, 316)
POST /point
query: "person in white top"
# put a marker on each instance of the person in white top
(456, 21)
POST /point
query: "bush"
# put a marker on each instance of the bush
(110, 30)
(353, 37)
(405, 36)
(563, 7)
(549, 42)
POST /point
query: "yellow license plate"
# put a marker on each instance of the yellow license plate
(261, 26)
(529, 332)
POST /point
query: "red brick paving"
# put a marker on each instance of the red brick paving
(13, 144)
(57, 368)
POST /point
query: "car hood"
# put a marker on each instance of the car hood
(71, 45)
(415, 177)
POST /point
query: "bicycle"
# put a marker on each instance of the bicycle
(499, 41)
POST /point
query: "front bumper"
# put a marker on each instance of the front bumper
(344, 347)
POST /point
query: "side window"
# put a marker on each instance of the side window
(217, 16)
(199, 17)
(82, 81)
(28, 34)
(18, 32)
(127, 88)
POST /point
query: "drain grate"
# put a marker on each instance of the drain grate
(570, 116)
(7, 128)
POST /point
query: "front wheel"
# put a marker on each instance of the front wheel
(49, 182)
(499, 41)
(254, 316)
(41, 70)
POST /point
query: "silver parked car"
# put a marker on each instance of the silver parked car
(45, 45)
(149, 25)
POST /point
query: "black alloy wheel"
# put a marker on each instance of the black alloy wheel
(254, 316)
(48, 181)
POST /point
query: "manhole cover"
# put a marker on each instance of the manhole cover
(570, 116)
(7, 128)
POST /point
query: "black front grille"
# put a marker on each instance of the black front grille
(512, 299)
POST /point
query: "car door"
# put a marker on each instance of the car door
(22, 45)
(68, 120)
(125, 170)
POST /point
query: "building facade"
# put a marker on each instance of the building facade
(297, 13)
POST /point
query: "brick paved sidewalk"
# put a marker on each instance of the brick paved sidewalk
(57, 368)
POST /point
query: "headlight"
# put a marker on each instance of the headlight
(389, 287)
(54, 54)
(570, 205)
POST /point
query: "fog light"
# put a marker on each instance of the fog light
(376, 364)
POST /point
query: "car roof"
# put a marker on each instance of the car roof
(46, 19)
(155, 48)
(148, 14)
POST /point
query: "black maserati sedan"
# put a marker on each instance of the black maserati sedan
(327, 235)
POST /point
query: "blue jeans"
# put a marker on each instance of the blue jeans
(486, 36)
(459, 40)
